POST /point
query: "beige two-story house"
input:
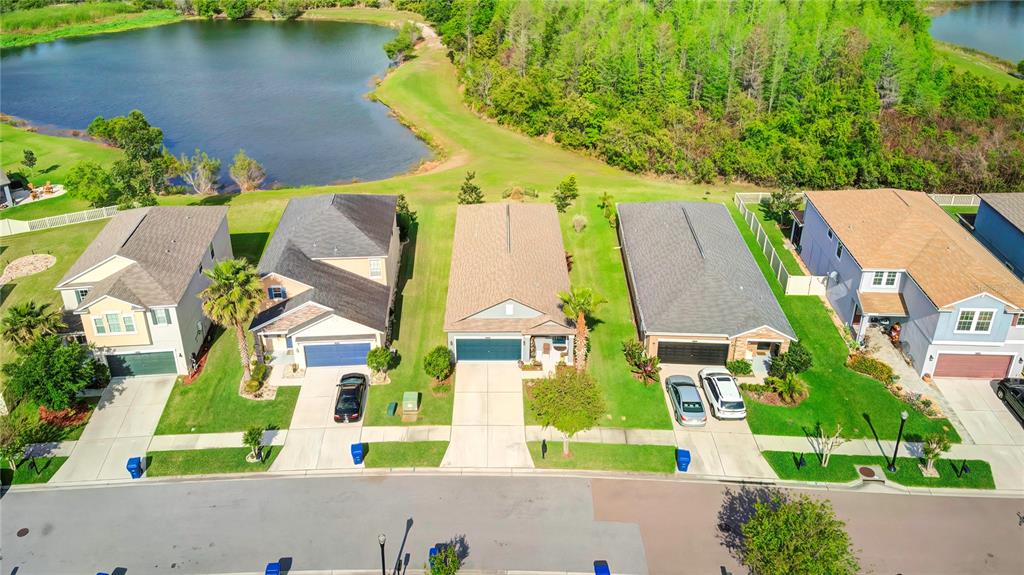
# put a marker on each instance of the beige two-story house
(135, 288)
(330, 273)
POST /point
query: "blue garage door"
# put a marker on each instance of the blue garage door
(487, 349)
(331, 354)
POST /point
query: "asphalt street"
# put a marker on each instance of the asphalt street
(501, 523)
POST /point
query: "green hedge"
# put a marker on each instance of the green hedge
(871, 367)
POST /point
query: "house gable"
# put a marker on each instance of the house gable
(508, 309)
(100, 271)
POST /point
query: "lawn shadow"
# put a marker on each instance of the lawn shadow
(874, 433)
(49, 169)
(217, 199)
(405, 273)
(737, 509)
(249, 246)
(5, 291)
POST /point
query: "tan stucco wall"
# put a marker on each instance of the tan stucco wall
(109, 305)
(116, 264)
(360, 267)
(748, 342)
(291, 287)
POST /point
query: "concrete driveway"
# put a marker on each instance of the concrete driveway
(488, 427)
(121, 427)
(986, 418)
(314, 440)
(721, 447)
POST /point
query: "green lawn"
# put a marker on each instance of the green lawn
(838, 396)
(841, 469)
(405, 454)
(207, 461)
(966, 61)
(954, 211)
(63, 204)
(211, 404)
(24, 475)
(54, 157)
(775, 236)
(367, 15)
(606, 457)
(103, 23)
(29, 410)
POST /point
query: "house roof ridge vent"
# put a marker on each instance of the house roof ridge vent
(693, 232)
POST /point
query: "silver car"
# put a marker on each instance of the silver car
(686, 402)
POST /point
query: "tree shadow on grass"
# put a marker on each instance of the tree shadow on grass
(405, 273)
(737, 509)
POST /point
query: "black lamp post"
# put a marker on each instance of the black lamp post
(381, 539)
(899, 436)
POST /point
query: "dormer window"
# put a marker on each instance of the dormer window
(376, 268)
(276, 292)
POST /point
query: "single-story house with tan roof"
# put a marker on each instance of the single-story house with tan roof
(508, 267)
(894, 256)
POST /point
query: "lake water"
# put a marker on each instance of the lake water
(996, 27)
(292, 94)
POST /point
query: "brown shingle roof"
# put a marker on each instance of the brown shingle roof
(880, 303)
(899, 229)
(506, 252)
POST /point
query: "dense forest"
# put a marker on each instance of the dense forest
(795, 93)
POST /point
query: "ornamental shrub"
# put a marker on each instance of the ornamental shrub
(871, 367)
(379, 359)
(796, 360)
(739, 367)
(438, 363)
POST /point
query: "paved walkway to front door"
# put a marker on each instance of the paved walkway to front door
(488, 428)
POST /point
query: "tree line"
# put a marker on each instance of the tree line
(796, 94)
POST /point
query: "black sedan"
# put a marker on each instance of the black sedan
(349, 406)
(1011, 390)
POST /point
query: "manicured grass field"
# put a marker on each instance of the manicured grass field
(211, 404)
(66, 21)
(954, 211)
(405, 454)
(367, 15)
(838, 396)
(54, 157)
(606, 457)
(207, 461)
(841, 469)
(62, 204)
(24, 475)
(966, 61)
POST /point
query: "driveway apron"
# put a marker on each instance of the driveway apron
(121, 427)
(488, 428)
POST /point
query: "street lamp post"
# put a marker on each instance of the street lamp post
(381, 539)
(899, 436)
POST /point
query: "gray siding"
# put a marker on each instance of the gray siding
(818, 253)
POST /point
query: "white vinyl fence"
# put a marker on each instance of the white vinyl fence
(955, 199)
(14, 227)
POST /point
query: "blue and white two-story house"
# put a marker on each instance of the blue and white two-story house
(1000, 226)
(896, 255)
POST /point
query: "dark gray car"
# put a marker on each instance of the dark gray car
(686, 401)
(1011, 390)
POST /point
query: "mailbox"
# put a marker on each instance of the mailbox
(134, 467)
(357, 453)
(682, 459)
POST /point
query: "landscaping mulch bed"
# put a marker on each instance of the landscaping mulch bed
(26, 266)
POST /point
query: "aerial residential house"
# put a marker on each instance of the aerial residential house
(136, 287)
(330, 273)
(894, 256)
(508, 267)
(698, 296)
(999, 225)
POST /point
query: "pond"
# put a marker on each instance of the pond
(292, 94)
(995, 27)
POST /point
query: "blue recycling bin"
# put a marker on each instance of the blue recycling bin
(602, 568)
(434, 550)
(682, 459)
(273, 569)
(134, 467)
(357, 453)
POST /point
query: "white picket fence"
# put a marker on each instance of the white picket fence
(14, 227)
(955, 199)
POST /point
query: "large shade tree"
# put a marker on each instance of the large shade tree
(232, 300)
(51, 372)
(25, 322)
(579, 304)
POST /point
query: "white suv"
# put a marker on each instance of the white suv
(723, 394)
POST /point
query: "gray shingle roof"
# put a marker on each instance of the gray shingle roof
(334, 226)
(330, 226)
(166, 244)
(692, 272)
(1010, 206)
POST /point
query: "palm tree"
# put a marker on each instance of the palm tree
(232, 299)
(577, 305)
(25, 322)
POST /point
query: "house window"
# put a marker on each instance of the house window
(558, 340)
(276, 292)
(99, 326)
(211, 251)
(129, 324)
(974, 321)
(200, 269)
(890, 278)
(510, 308)
(830, 233)
(878, 278)
(1017, 320)
(839, 250)
(80, 294)
(160, 316)
(375, 268)
(113, 323)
